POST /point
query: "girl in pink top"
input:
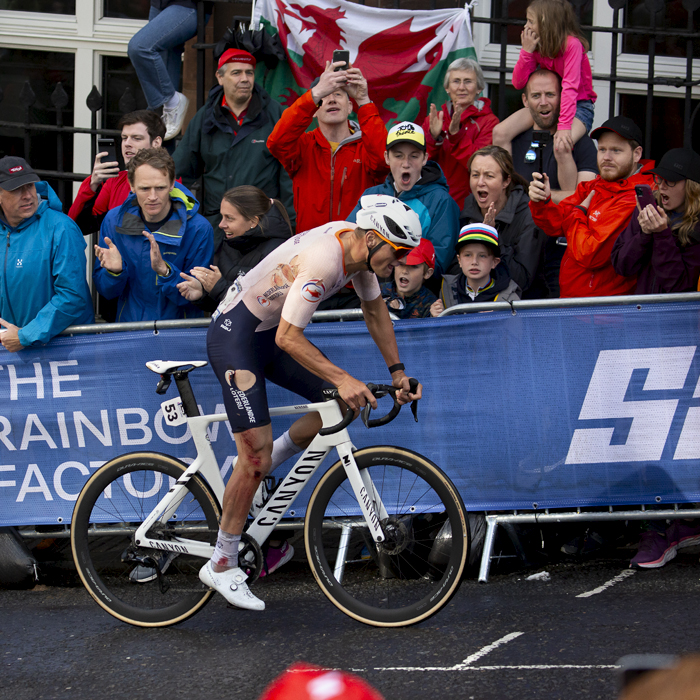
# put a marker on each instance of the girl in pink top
(552, 39)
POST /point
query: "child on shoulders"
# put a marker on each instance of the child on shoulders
(405, 295)
(482, 278)
(552, 39)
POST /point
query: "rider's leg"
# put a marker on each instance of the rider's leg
(253, 464)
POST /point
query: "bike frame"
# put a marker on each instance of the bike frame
(206, 464)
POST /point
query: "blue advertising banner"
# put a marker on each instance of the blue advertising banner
(556, 407)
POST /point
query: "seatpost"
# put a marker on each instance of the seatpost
(189, 403)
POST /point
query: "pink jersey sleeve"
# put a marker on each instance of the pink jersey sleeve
(525, 66)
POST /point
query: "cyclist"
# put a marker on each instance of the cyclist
(258, 332)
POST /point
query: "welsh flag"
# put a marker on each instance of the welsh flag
(402, 54)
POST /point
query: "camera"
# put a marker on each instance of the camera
(538, 143)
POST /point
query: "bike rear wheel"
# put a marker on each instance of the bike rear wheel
(109, 509)
(418, 568)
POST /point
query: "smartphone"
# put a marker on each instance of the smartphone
(541, 138)
(644, 195)
(111, 148)
(340, 55)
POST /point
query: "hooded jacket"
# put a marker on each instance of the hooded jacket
(502, 288)
(519, 239)
(452, 152)
(430, 199)
(228, 158)
(239, 255)
(586, 268)
(327, 185)
(43, 288)
(661, 263)
(186, 240)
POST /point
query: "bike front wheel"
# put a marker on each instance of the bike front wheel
(142, 586)
(418, 568)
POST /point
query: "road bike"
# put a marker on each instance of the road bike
(385, 530)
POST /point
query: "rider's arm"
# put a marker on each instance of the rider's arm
(291, 339)
(381, 329)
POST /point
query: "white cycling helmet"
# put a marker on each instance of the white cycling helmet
(390, 218)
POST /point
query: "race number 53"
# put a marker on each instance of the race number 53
(651, 418)
(173, 411)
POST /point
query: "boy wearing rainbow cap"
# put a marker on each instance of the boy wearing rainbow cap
(483, 277)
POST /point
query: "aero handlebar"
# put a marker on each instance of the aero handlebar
(378, 391)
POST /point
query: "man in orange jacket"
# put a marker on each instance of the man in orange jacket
(594, 216)
(334, 164)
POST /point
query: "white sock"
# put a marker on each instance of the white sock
(282, 449)
(226, 552)
(172, 102)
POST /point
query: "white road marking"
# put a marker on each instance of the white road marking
(488, 648)
(459, 667)
(620, 577)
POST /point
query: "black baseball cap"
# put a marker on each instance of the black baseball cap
(679, 164)
(622, 126)
(15, 172)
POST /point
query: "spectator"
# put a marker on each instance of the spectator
(482, 278)
(499, 199)
(405, 295)
(157, 229)
(108, 187)
(43, 289)
(332, 165)
(661, 245)
(566, 168)
(254, 225)
(156, 54)
(421, 185)
(463, 125)
(586, 269)
(225, 143)
(552, 39)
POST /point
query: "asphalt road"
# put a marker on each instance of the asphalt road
(511, 638)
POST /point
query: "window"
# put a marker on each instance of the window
(127, 9)
(667, 111)
(118, 76)
(42, 70)
(56, 7)
(672, 16)
(516, 9)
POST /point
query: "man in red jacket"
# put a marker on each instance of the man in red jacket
(594, 216)
(107, 187)
(334, 164)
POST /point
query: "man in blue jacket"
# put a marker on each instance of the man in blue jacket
(147, 241)
(420, 183)
(43, 289)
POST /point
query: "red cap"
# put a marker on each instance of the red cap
(422, 253)
(306, 682)
(236, 56)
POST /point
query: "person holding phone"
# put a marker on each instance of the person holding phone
(597, 213)
(332, 165)
(661, 244)
(108, 186)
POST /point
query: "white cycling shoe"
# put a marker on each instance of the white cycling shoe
(232, 585)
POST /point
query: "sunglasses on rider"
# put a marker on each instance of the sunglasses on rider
(400, 251)
(658, 180)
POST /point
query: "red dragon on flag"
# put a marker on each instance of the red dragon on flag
(403, 54)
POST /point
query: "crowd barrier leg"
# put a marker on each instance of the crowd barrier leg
(491, 525)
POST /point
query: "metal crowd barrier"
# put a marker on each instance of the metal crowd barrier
(493, 519)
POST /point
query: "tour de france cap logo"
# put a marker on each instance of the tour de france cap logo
(406, 132)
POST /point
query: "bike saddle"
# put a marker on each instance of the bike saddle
(168, 367)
